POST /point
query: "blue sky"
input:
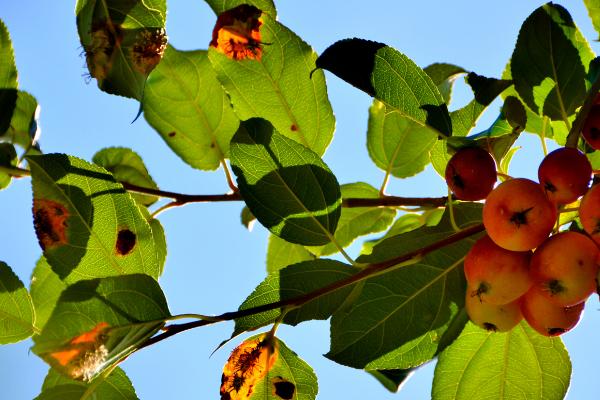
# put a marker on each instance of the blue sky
(213, 262)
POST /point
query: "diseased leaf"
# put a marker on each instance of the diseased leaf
(273, 61)
(46, 288)
(127, 166)
(187, 106)
(549, 63)
(281, 253)
(123, 41)
(293, 281)
(116, 386)
(17, 315)
(286, 186)
(98, 322)
(357, 221)
(402, 318)
(392, 379)
(517, 364)
(8, 158)
(86, 223)
(389, 76)
(219, 6)
(444, 75)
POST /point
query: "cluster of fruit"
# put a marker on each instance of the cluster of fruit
(523, 267)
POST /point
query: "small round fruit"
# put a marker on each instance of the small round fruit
(589, 213)
(546, 317)
(565, 175)
(564, 268)
(471, 173)
(517, 215)
(491, 317)
(591, 128)
(496, 275)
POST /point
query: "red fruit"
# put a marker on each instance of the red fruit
(589, 213)
(471, 173)
(591, 128)
(565, 175)
(546, 317)
(495, 318)
(517, 215)
(564, 268)
(496, 275)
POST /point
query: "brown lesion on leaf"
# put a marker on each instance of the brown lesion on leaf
(99, 53)
(294, 127)
(148, 49)
(126, 241)
(283, 388)
(172, 134)
(248, 364)
(50, 222)
(83, 356)
(237, 33)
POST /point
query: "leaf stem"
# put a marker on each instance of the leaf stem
(575, 131)
(230, 182)
(183, 198)
(15, 171)
(368, 272)
(451, 212)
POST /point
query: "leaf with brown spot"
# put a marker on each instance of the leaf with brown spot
(237, 33)
(126, 241)
(50, 219)
(283, 389)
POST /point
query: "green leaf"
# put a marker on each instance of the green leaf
(46, 288)
(593, 7)
(281, 253)
(287, 187)
(123, 41)
(515, 365)
(444, 75)
(23, 129)
(291, 97)
(218, 6)
(247, 218)
(401, 318)
(187, 106)
(86, 223)
(549, 63)
(396, 144)
(8, 158)
(293, 281)
(8, 79)
(98, 322)
(16, 309)
(127, 166)
(290, 378)
(116, 386)
(392, 379)
(390, 76)
(357, 221)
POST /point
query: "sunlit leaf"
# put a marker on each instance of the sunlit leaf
(276, 63)
(8, 79)
(444, 75)
(549, 63)
(187, 106)
(98, 322)
(127, 166)
(23, 129)
(293, 281)
(46, 288)
(86, 223)
(116, 386)
(281, 253)
(8, 158)
(401, 318)
(390, 76)
(17, 315)
(515, 365)
(357, 221)
(287, 187)
(219, 6)
(123, 41)
(593, 8)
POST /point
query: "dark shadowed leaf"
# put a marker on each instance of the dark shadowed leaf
(392, 379)
(8, 158)
(46, 288)
(291, 97)
(116, 386)
(98, 322)
(8, 79)
(293, 281)
(287, 187)
(402, 318)
(444, 75)
(86, 223)
(281, 253)
(123, 41)
(549, 63)
(127, 166)
(515, 365)
(389, 76)
(187, 106)
(23, 129)
(17, 315)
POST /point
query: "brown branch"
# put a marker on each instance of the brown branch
(181, 198)
(395, 201)
(367, 272)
